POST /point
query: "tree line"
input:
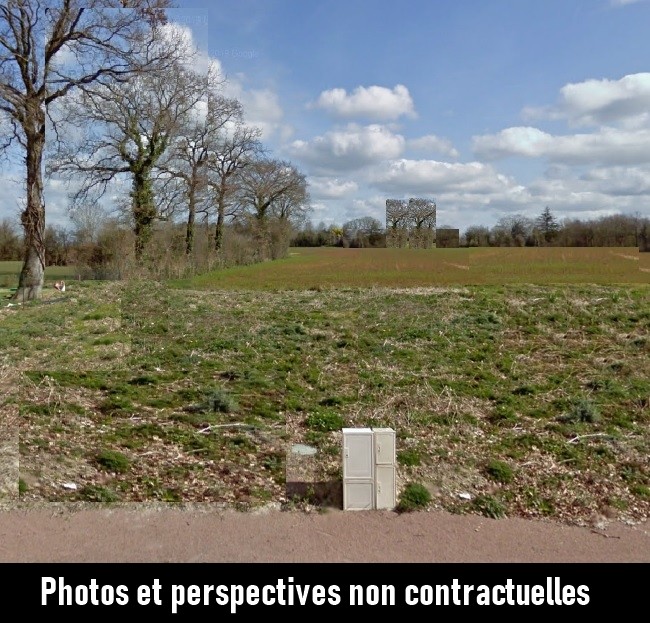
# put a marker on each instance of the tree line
(96, 244)
(617, 230)
(114, 86)
(517, 230)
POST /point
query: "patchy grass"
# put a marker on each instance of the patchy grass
(525, 399)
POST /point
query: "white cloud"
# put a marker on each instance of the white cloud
(375, 103)
(331, 188)
(430, 177)
(262, 108)
(618, 181)
(433, 143)
(595, 102)
(620, 3)
(608, 146)
(350, 148)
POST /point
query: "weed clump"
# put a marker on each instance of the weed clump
(415, 496)
(499, 471)
(489, 506)
(113, 461)
(582, 410)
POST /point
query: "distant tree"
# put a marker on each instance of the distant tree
(422, 213)
(209, 149)
(547, 225)
(644, 235)
(11, 244)
(366, 231)
(512, 231)
(477, 236)
(88, 218)
(233, 147)
(58, 244)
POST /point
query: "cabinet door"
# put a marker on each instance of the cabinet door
(357, 455)
(385, 487)
(384, 447)
(358, 495)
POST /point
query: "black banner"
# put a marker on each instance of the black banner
(237, 590)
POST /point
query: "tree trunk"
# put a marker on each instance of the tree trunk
(218, 233)
(191, 217)
(32, 275)
(144, 211)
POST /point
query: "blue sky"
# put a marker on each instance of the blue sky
(490, 107)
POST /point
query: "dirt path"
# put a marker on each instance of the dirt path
(175, 535)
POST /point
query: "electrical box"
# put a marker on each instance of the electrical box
(369, 468)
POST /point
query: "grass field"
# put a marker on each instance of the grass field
(516, 398)
(331, 268)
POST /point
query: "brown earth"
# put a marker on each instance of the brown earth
(208, 535)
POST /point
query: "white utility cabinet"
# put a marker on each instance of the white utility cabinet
(368, 468)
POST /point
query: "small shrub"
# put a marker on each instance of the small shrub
(113, 461)
(582, 410)
(22, 486)
(415, 496)
(499, 471)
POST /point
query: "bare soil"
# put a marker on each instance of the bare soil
(202, 534)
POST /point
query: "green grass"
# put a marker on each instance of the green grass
(521, 395)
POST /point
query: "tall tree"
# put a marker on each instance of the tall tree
(186, 167)
(48, 49)
(235, 148)
(126, 127)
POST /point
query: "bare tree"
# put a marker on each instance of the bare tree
(88, 218)
(366, 231)
(477, 236)
(292, 208)
(184, 171)
(127, 127)
(261, 187)
(512, 230)
(36, 38)
(235, 148)
(210, 149)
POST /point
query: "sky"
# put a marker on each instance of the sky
(487, 107)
